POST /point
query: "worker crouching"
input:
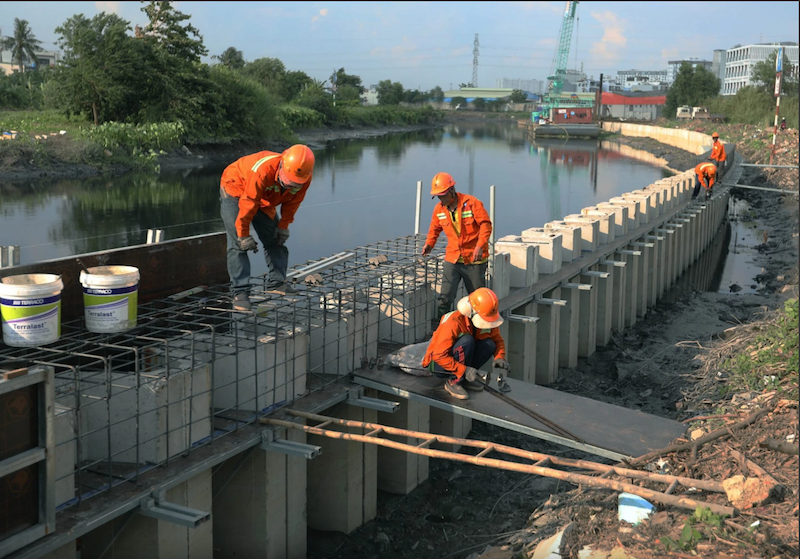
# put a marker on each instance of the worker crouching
(465, 339)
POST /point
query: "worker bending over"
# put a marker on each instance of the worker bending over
(467, 226)
(251, 191)
(706, 175)
(465, 339)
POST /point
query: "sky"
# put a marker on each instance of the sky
(427, 44)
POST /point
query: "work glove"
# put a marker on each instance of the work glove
(247, 243)
(281, 236)
(426, 250)
(501, 364)
(477, 253)
(472, 374)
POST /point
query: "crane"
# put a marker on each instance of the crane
(559, 67)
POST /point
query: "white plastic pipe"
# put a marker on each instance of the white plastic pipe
(419, 208)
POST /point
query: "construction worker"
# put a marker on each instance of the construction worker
(705, 174)
(718, 156)
(251, 191)
(467, 225)
(465, 339)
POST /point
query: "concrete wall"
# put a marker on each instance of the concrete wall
(695, 142)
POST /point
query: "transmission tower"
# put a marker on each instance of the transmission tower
(475, 62)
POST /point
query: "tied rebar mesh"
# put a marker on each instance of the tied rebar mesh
(193, 370)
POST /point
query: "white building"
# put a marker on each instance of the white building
(718, 66)
(651, 75)
(739, 62)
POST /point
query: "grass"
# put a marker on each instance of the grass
(770, 359)
(40, 122)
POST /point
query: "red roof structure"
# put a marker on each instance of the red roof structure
(620, 99)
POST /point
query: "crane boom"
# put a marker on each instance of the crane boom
(559, 68)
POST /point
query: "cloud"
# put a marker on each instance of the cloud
(610, 46)
(322, 13)
(108, 7)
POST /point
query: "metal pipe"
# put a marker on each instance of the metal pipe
(794, 192)
(492, 236)
(768, 166)
(419, 208)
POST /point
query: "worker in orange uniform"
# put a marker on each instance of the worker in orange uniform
(705, 174)
(467, 226)
(718, 156)
(251, 191)
(465, 339)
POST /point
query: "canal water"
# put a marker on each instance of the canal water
(364, 191)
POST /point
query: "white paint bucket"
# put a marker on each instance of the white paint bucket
(110, 298)
(30, 305)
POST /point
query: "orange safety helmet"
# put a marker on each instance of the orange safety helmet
(441, 183)
(715, 135)
(297, 164)
(484, 303)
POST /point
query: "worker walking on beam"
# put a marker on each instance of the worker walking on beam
(251, 191)
(718, 156)
(704, 174)
(467, 226)
(465, 339)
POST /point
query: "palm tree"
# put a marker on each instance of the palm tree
(23, 45)
(233, 59)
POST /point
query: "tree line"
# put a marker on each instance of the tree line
(113, 73)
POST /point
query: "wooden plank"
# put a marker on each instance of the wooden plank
(620, 431)
(8, 375)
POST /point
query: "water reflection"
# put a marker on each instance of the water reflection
(364, 191)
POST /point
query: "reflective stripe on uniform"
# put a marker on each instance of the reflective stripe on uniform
(262, 161)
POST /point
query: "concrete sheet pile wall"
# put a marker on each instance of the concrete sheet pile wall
(635, 247)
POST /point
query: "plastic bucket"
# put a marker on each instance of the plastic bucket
(110, 298)
(30, 305)
(633, 509)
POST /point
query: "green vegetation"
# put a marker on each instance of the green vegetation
(692, 86)
(702, 524)
(140, 92)
(23, 44)
(752, 106)
(771, 361)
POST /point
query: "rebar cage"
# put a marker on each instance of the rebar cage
(193, 370)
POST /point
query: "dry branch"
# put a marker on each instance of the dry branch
(694, 445)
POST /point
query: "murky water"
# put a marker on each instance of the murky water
(363, 192)
(739, 270)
